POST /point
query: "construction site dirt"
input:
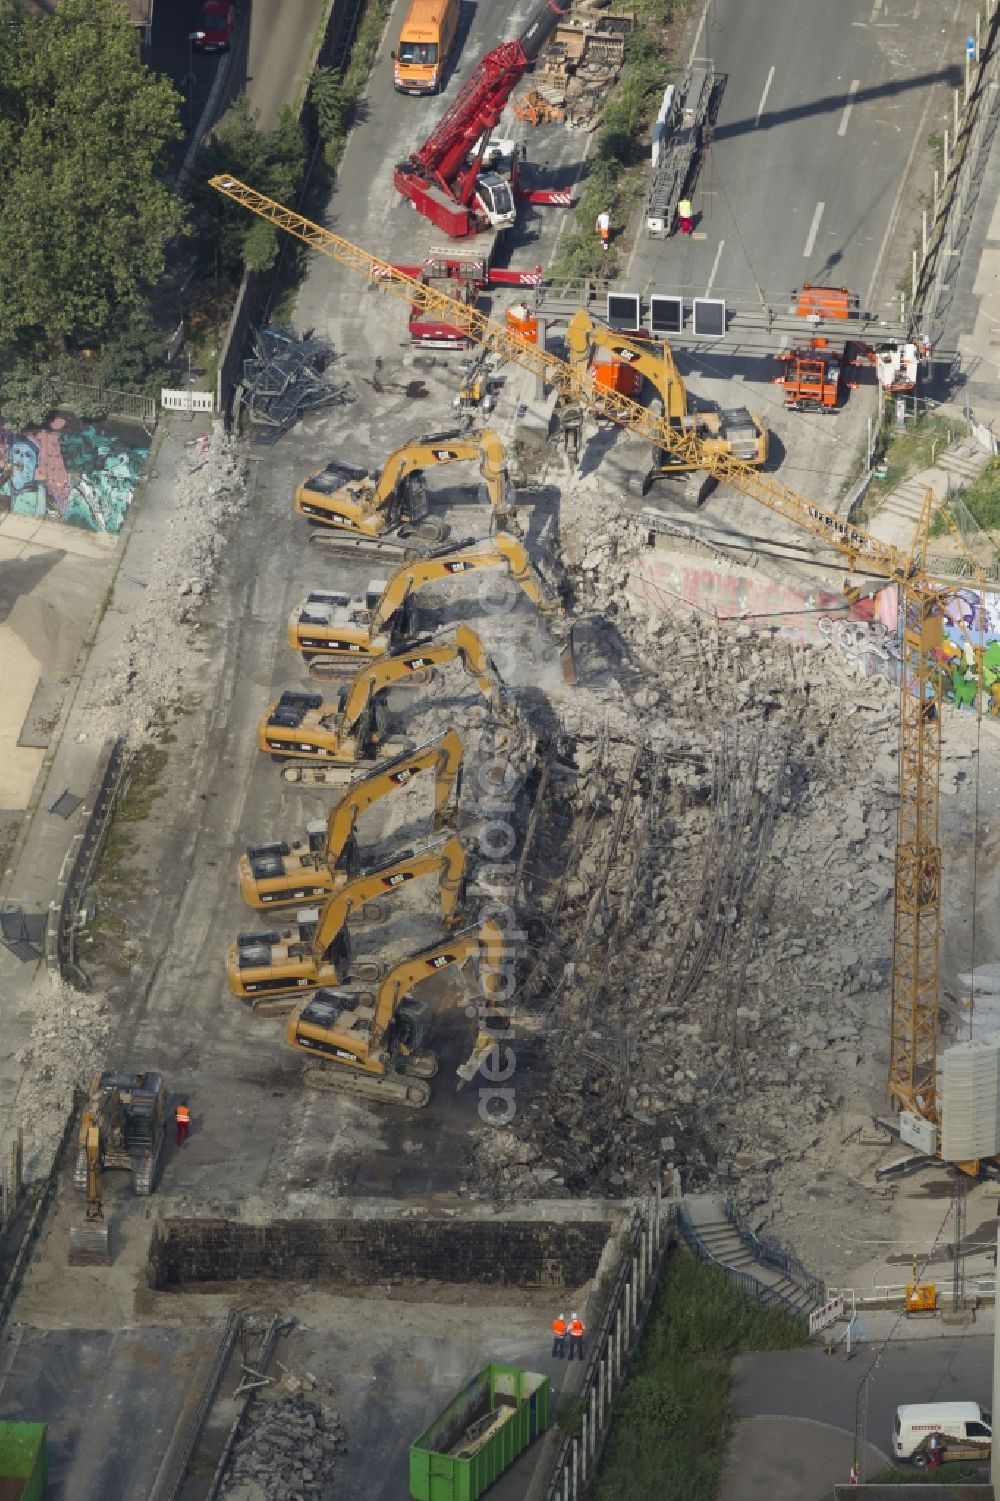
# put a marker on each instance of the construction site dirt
(695, 842)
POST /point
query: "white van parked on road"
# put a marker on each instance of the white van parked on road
(957, 1420)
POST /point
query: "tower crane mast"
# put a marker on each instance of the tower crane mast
(914, 1026)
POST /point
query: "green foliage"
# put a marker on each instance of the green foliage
(336, 98)
(672, 1422)
(132, 356)
(982, 497)
(83, 128)
(329, 98)
(616, 169)
(962, 1474)
(273, 162)
(29, 391)
(908, 452)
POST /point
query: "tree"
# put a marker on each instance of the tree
(83, 128)
(270, 161)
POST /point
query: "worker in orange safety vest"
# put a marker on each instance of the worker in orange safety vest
(577, 1329)
(182, 1116)
(559, 1327)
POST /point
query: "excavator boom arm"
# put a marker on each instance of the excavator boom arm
(464, 645)
(501, 551)
(445, 854)
(485, 940)
(444, 754)
(853, 543)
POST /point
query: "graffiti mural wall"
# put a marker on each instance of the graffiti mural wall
(82, 473)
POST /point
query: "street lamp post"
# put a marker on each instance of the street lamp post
(189, 78)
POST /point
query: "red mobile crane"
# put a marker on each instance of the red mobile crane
(445, 180)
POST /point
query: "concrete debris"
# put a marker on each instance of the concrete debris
(149, 669)
(66, 1049)
(288, 1450)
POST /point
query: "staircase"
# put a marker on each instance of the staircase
(896, 519)
(712, 1228)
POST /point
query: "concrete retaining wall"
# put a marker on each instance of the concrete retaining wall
(497, 1252)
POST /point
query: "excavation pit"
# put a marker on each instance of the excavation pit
(525, 1253)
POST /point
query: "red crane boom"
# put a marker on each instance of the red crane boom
(444, 179)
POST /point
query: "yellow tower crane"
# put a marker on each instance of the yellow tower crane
(914, 1025)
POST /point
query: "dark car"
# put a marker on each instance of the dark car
(214, 29)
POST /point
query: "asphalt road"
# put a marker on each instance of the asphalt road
(797, 1410)
(106, 1435)
(825, 108)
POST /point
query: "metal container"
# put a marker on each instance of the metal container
(24, 1461)
(479, 1434)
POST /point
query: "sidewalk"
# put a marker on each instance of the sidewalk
(71, 764)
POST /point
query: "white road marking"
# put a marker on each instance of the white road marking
(814, 229)
(715, 266)
(697, 35)
(842, 127)
(763, 99)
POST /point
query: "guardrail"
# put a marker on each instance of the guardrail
(612, 1349)
(174, 1467)
(744, 1282)
(60, 942)
(771, 1255)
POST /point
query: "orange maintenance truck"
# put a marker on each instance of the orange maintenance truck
(425, 42)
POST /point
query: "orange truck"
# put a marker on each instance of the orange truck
(425, 42)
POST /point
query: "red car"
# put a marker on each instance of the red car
(214, 30)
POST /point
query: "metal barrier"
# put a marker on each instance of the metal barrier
(60, 944)
(173, 1470)
(116, 403)
(613, 1349)
(956, 185)
(771, 1255)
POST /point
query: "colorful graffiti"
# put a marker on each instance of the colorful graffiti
(864, 634)
(72, 472)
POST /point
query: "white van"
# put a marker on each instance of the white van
(957, 1420)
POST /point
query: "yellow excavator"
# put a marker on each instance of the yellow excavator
(122, 1126)
(597, 352)
(262, 967)
(371, 1043)
(345, 733)
(278, 875)
(353, 510)
(344, 630)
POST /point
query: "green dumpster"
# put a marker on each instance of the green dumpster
(24, 1461)
(469, 1445)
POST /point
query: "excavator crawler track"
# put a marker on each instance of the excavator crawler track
(368, 547)
(268, 1006)
(393, 1089)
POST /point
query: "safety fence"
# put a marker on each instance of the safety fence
(93, 398)
(45, 1192)
(613, 1349)
(78, 866)
(966, 144)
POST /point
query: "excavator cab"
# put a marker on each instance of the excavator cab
(408, 1028)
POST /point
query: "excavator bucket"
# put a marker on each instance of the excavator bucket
(567, 660)
(90, 1243)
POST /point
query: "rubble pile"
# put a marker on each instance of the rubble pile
(289, 1450)
(705, 891)
(66, 1049)
(146, 674)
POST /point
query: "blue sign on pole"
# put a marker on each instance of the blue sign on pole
(970, 48)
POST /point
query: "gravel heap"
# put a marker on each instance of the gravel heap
(712, 874)
(287, 1452)
(66, 1049)
(147, 673)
